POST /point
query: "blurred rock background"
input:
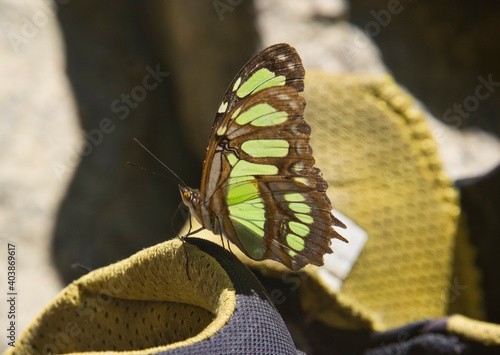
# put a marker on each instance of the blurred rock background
(80, 79)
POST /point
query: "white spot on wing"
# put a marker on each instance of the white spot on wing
(222, 107)
(221, 130)
(302, 180)
(298, 167)
(284, 97)
(281, 57)
(237, 84)
(294, 129)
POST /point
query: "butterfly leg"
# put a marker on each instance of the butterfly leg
(190, 224)
(189, 233)
(173, 217)
(222, 240)
(228, 245)
(190, 230)
(183, 240)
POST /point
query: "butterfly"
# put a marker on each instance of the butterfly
(259, 186)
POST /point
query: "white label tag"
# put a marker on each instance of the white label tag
(339, 264)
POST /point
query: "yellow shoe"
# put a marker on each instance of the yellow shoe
(147, 304)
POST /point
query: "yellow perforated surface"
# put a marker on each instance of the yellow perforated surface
(473, 330)
(144, 302)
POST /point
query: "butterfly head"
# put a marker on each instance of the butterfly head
(190, 198)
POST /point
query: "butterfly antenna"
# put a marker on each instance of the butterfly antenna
(151, 172)
(159, 161)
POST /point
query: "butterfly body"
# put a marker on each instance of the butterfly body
(259, 187)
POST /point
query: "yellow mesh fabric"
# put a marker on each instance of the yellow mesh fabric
(379, 158)
(465, 294)
(473, 330)
(144, 302)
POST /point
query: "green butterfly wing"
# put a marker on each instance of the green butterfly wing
(277, 65)
(260, 188)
